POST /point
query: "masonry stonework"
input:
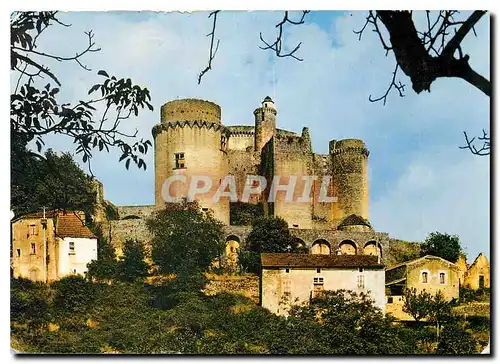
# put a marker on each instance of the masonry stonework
(191, 140)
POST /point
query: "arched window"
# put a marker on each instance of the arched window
(348, 247)
(320, 246)
(373, 248)
(441, 278)
(425, 277)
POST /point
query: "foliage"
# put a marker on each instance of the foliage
(249, 261)
(347, 323)
(417, 304)
(185, 239)
(127, 317)
(271, 235)
(91, 124)
(106, 265)
(132, 265)
(72, 295)
(442, 245)
(245, 213)
(455, 340)
(29, 302)
(54, 181)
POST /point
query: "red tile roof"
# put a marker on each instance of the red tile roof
(319, 260)
(71, 226)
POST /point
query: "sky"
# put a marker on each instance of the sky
(420, 181)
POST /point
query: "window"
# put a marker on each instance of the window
(318, 286)
(71, 248)
(179, 161)
(295, 225)
(441, 278)
(361, 281)
(287, 270)
(425, 277)
(481, 281)
(318, 270)
(33, 248)
(223, 142)
(18, 252)
(204, 209)
(361, 269)
(33, 230)
(389, 300)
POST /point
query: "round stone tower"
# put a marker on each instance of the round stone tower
(265, 122)
(190, 149)
(350, 178)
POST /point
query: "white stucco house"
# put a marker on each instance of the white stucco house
(76, 244)
(291, 278)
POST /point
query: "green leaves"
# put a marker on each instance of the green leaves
(185, 240)
(442, 245)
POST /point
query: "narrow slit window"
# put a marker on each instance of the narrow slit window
(71, 248)
(425, 277)
(33, 248)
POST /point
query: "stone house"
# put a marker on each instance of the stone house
(478, 273)
(290, 278)
(429, 273)
(47, 246)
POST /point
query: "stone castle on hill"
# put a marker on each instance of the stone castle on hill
(191, 140)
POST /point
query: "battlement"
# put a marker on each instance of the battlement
(265, 109)
(348, 146)
(158, 128)
(241, 130)
(292, 143)
(190, 110)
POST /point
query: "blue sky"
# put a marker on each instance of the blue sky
(419, 180)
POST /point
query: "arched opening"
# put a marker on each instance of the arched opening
(373, 248)
(321, 246)
(300, 245)
(347, 247)
(232, 251)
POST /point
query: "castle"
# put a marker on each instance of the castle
(191, 140)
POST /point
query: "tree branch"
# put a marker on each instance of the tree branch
(277, 45)
(212, 52)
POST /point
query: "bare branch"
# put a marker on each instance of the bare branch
(483, 150)
(400, 87)
(276, 46)
(213, 52)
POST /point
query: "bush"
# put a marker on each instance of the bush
(29, 302)
(455, 340)
(132, 266)
(249, 261)
(73, 294)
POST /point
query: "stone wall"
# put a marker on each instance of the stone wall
(204, 155)
(141, 211)
(350, 178)
(121, 230)
(244, 285)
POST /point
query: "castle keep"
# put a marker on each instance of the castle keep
(191, 140)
